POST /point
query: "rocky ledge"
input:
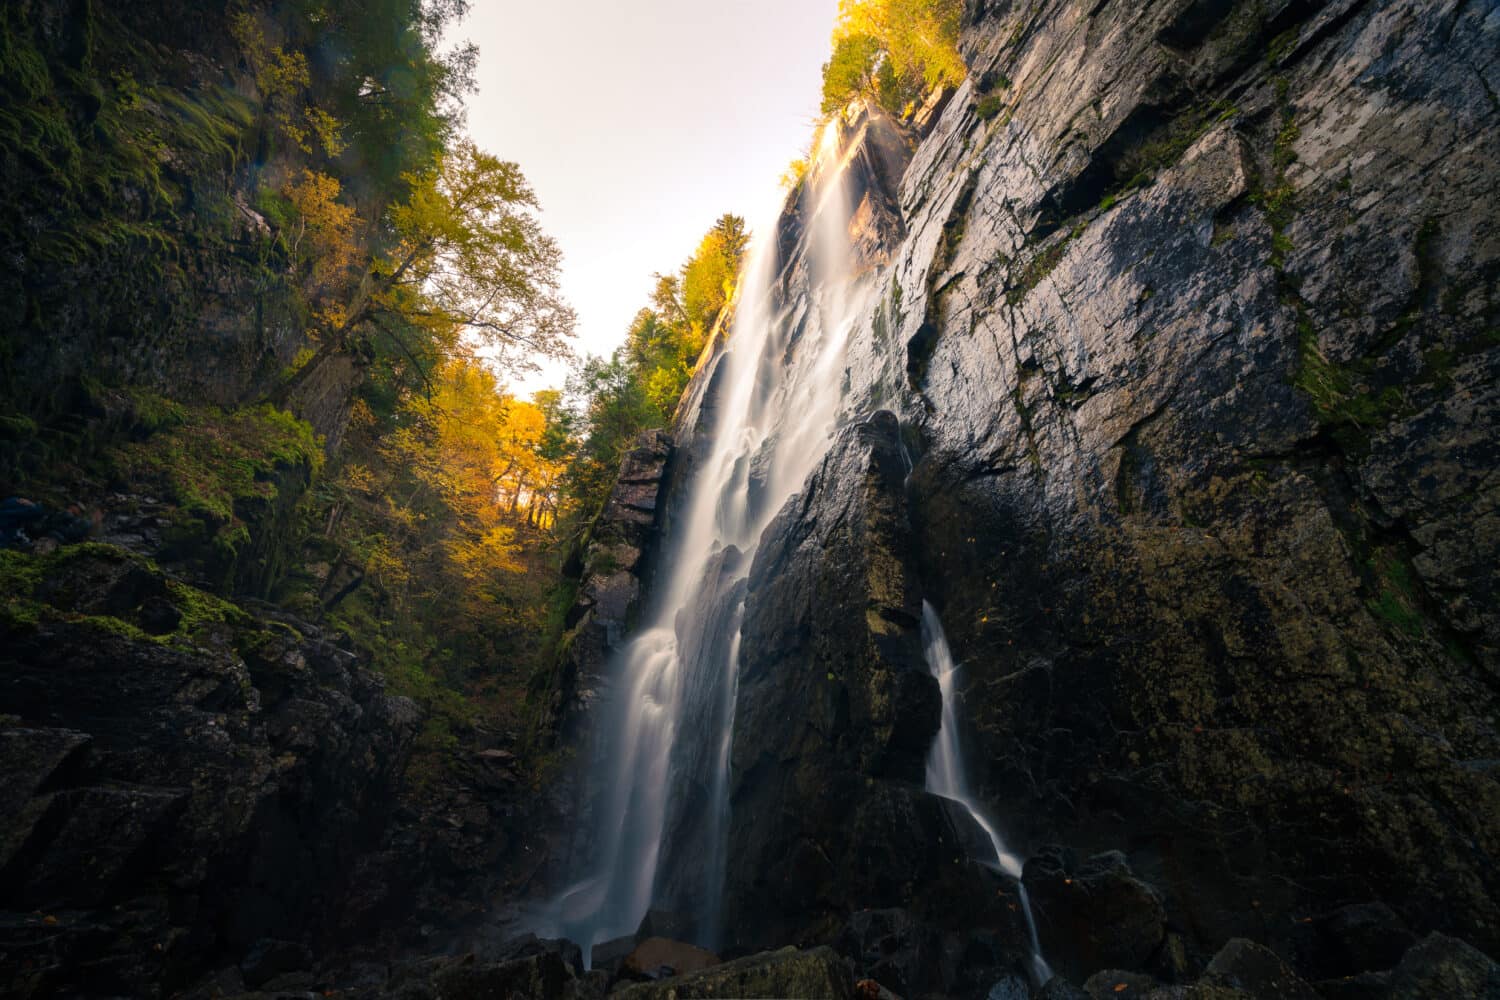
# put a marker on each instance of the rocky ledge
(182, 780)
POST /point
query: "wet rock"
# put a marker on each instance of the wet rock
(1010, 988)
(1120, 984)
(1442, 966)
(1058, 988)
(835, 708)
(1257, 971)
(1094, 913)
(537, 977)
(894, 949)
(174, 801)
(610, 567)
(610, 955)
(1202, 481)
(1356, 938)
(664, 923)
(529, 945)
(1365, 986)
(662, 958)
(785, 973)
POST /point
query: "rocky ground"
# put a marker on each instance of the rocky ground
(189, 782)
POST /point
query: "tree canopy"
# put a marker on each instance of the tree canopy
(639, 386)
(892, 51)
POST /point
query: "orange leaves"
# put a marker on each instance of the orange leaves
(462, 476)
(323, 234)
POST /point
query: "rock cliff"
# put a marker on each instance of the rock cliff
(1188, 315)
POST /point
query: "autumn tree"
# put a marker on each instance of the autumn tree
(462, 259)
(709, 275)
(614, 399)
(892, 51)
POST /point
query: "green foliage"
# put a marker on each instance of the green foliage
(212, 463)
(1396, 601)
(614, 408)
(850, 70)
(989, 107)
(892, 51)
(639, 386)
(708, 277)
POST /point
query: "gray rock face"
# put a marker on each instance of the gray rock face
(179, 800)
(1195, 345)
(610, 564)
(836, 710)
(1094, 913)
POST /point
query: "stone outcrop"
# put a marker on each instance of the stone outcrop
(836, 711)
(1211, 397)
(611, 563)
(1188, 316)
(183, 784)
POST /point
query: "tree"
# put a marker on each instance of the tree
(709, 275)
(892, 50)
(463, 254)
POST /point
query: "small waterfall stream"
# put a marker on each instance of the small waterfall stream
(946, 776)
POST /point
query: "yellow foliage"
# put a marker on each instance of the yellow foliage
(918, 36)
(282, 78)
(475, 456)
(892, 51)
(324, 236)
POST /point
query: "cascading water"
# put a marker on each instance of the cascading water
(946, 777)
(665, 743)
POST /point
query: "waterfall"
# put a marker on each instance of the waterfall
(946, 777)
(662, 773)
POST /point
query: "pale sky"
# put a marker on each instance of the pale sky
(638, 123)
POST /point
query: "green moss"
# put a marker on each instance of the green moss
(152, 413)
(1281, 46)
(1337, 395)
(1041, 265)
(19, 575)
(989, 107)
(223, 471)
(1395, 602)
(209, 459)
(22, 574)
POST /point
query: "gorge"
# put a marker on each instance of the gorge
(1069, 571)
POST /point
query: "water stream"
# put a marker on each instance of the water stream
(946, 775)
(666, 731)
(661, 766)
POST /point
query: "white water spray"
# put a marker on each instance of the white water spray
(663, 770)
(946, 777)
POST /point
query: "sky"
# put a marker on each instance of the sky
(640, 122)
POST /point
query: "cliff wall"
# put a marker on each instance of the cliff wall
(1188, 315)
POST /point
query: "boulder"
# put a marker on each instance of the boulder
(1118, 984)
(1357, 938)
(818, 972)
(1443, 966)
(662, 958)
(1256, 971)
(1093, 913)
(179, 803)
(537, 977)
